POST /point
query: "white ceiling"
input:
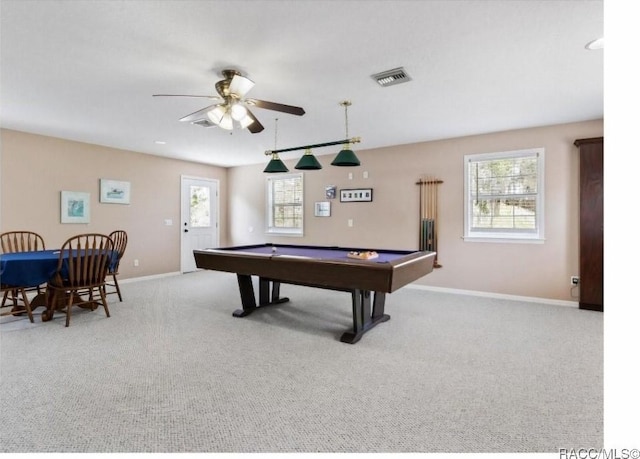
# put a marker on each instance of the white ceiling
(86, 70)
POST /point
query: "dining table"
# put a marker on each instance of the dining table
(32, 269)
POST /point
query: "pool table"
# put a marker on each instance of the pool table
(322, 267)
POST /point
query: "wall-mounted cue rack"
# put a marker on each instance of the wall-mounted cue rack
(428, 239)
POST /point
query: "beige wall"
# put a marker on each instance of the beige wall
(34, 169)
(391, 220)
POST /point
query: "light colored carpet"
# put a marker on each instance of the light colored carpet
(173, 371)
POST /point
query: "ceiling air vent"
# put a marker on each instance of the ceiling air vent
(391, 77)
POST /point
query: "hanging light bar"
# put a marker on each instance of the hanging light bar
(305, 162)
(345, 158)
(317, 145)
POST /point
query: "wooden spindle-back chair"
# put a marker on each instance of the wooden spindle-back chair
(119, 238)
(82, 269)
(12, 242)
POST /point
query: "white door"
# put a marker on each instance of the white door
(199, 225)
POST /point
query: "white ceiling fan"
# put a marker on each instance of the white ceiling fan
(232, 110)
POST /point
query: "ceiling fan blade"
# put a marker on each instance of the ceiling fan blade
(277, 107)
(205, 122)
(200, 114)
(186, 95)
(240, 85)
(256, 126)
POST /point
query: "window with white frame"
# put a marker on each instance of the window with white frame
(285, 204)
(504, 196)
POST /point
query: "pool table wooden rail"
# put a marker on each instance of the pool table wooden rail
(332, 274)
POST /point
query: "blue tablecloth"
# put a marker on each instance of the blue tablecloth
(29, 269)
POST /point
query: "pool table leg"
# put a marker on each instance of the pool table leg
(363, 319)
(265, 298)
(270, 292)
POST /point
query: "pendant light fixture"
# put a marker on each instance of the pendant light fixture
(346, 157)
(275, 165)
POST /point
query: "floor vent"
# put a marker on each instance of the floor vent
(391, 77)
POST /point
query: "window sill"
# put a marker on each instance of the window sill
(284, 233)
(504, 240)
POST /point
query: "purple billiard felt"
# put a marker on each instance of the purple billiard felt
(325, 253)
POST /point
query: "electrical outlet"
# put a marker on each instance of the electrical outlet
(575, 280)
(136, 262)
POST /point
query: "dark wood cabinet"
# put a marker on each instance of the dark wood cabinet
(591, 223)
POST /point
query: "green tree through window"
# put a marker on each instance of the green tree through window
(285, 204)
(503, 194)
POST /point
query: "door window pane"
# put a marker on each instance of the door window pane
(200, 206)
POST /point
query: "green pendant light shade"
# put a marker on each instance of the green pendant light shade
(275, 165)
(308, 162)
(346, 158)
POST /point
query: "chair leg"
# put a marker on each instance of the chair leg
(27, 305)
(103, 295)
(14, 300)
(69, 308)
(14, 297)
(115, 282)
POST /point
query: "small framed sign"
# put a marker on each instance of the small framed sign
(323, 209)
(356, 195)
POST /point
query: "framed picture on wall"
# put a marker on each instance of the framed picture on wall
(330, 192)
(356, 195)
(75, 207)
(115, 191)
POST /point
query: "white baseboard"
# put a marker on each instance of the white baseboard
(530, 299)
(144, 278)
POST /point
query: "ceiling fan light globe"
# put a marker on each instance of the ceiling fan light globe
(238, 112)
(226, 122)
(217, 114)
